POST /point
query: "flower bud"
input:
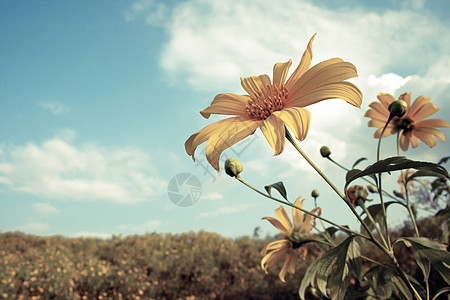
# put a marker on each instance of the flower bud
(372, 188)
(355, 193)
(325, 151)
(233, 167)
(315, 193)
(398, 108)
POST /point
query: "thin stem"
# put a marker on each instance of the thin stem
(369, 215)
(301, 209)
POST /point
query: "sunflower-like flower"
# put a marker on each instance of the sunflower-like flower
(412, 125)
(270, 105)
(294, 238)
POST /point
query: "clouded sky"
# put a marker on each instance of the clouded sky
(98, 98)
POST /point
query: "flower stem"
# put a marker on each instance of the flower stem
(301, 209)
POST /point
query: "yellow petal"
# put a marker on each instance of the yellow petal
(414, 141)
(273, 130)
(277, 224)
(404, 142)
(386, 99)
(304, 64)
(298, 215)
(280, 71)
(374, 114)
(229, 133)
(426, 110)
(227, 104)
(376, 123)
(297, 119)
(406, 97)
(289, 264)
(276, 245)
(432, 123)
(388, 131)
(425, 137)
(343, 90)
(308, 222)
(380, 109)
(253, 84)
(330, 71)
(271, 258)
(283, 217)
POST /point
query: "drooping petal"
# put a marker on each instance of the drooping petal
(280, 71)
(288, 265)
(343, 90)
(273, 257)
(273, 246)
(273, 130)
(425, 137)
(253, 84)
(414, 141)
(226, 104)
(228, 134)
(330, 71)
(309, 221)
(298, 215)
(282, 215)
(432, 123)
(297, 119)
(277, 224)
(404, 142)
(386, 100)
(304, 64)
(406, 97)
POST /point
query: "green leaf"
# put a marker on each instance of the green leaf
(443, 160)
(394, 164)
(332, 270)
(423, 173)
(358, 161)
(376, 211)
(425, 252)
(279, 186)
(384, 283)
(399, 195)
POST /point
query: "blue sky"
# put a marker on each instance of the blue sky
(98, 98)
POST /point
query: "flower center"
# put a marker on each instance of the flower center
(405, 124)
(262, 104)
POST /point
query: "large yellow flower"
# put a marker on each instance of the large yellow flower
(414, 127)
(271, 104)
(294, 238)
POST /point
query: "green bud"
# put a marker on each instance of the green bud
(372, 188)
(325, 151)
(398, 108)
(315, 193)
(233, 167)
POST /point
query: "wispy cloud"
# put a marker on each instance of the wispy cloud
(56, 108)
(141, 228)
(59, 169)
(45, 209)
(34, 227)
(225, 210)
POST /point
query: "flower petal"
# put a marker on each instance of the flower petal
(426, 137)
(289, 265)
(304, 64)
(309, 221)
(253, 84)
(343, 90)
(273, 257)
(421, 108)
(386, 100)
(277, 224)
(297, 119)
(404, 142)
(282, 215)
(330, 71)
(273, 246)
(406, 97)
(228, 134)
(280, 71)
(273, 130)
(227, 104)
(432, 123)
(298, 215)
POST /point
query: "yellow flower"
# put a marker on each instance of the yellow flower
(414, 127)
(271, 104)
(294, 238)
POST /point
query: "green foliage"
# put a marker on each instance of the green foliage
(279, 186)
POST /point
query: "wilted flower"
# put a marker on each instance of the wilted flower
(355, 193)
(270, 105)
(294, 238)
(412, 124)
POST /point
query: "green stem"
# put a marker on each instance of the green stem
(301, 209)
(369, 215)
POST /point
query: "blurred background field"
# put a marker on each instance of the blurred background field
(194, 265)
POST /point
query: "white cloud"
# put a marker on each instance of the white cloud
(98, 235)
(33, 227)
(55, 108)
(225, 210)
(45, 208)
(58, 169)
(141, 228)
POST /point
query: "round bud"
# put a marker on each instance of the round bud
(233, 167)
(372, 188)
(325, 151)
(398, 108)
(315, 193)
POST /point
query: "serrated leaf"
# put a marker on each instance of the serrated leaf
(279, 186)
(425, 252)
(394, 164)
(358, 161)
